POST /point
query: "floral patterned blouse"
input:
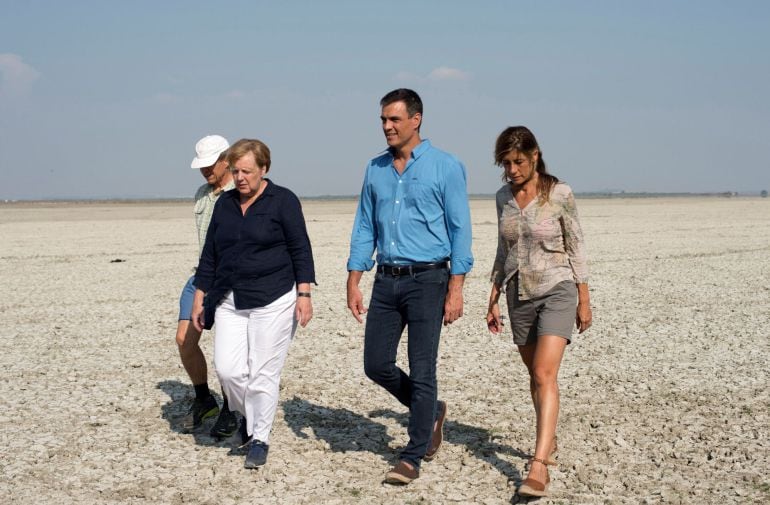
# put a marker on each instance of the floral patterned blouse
(543, 244)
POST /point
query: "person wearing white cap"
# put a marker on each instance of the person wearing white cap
(210, 159)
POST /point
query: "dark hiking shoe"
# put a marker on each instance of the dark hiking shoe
(226, 425)
(200, 411)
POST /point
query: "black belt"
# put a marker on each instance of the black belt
(397, 270)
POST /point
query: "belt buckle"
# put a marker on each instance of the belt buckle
(398, 271)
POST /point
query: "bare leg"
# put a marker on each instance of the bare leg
(543, 360)
(187, 338)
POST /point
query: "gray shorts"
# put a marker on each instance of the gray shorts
(550, 314)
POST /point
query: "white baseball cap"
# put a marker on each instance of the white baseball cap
(208, 149)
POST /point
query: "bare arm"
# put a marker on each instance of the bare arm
(197, 310)
(494, 321)
(304, 310)
(583, 317)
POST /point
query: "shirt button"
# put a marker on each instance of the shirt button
(396, 201)
(400, 181)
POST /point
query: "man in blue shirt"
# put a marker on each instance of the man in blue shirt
(413, 211)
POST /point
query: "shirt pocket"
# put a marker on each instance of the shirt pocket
(549, 234)
(200, 207)
(419, 194)
(508, 226)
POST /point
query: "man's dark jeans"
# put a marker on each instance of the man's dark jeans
(415, 300)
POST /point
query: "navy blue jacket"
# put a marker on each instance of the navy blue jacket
(259, 256)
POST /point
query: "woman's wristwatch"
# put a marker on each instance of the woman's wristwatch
(304, 293)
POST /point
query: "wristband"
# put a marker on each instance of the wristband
(303, 293)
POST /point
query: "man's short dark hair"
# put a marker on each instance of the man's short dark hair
(410, 98)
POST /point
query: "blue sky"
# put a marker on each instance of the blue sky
(106, 99)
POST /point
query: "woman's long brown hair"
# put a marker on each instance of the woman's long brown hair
(520, 138)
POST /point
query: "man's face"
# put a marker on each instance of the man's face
(215, 173)
(400, 130)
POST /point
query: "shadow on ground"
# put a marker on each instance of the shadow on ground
(345, 431)
(342, 429)
(478, 441)
(181, 396)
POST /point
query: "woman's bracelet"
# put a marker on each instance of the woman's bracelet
(303, 293)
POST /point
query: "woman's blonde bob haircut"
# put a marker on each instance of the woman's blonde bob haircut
(245, 146)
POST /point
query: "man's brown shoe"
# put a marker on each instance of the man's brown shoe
(438, 432)
(402, 473)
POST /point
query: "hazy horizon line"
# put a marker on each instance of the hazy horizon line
(472, 196)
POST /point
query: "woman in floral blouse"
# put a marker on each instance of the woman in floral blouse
(541, 266)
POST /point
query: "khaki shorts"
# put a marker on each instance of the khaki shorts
(550, 314)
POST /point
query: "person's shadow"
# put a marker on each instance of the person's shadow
(479, 441)
(346, 431)
(342, 429)
(174, 410)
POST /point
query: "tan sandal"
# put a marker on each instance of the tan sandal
(532, 487)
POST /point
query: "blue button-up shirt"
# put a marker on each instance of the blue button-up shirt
(419, 216)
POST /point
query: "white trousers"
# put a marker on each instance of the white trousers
(250, 348)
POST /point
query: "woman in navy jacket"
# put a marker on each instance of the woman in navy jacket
(254, 280)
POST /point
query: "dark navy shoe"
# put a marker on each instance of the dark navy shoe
(257, 455)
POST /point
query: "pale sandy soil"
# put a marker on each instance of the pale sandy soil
(664, 400)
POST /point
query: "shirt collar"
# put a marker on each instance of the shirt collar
(227, 187)
(269, 190)
(420, 148)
